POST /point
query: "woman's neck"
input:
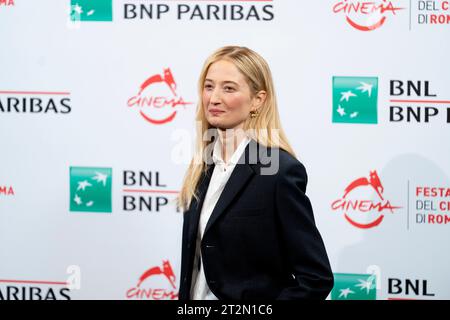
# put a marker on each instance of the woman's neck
(230, 139)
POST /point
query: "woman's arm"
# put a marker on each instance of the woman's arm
(302, 241)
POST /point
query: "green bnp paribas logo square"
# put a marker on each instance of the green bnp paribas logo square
(355, 99)
(348, 286)
(91, 10)
(90, 189)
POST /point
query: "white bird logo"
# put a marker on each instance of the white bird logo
(365, 88)
(100, 178)
(83, 184)
(346, 95)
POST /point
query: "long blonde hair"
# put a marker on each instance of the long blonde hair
(267, 124)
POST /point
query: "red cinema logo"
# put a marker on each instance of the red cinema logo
(7, 3)
(366, 15)
(157, 99)
(359, 211)
(162, 274)
(6, 191)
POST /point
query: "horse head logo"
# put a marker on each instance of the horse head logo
(166, 78)
(166, 270)
(373, 181)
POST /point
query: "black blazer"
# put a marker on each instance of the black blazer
(261, 241)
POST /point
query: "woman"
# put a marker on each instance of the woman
(249, 230)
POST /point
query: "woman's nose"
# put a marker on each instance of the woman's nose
(215, 96)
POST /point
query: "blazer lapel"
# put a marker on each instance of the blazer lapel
(241, 174)
(196, 205)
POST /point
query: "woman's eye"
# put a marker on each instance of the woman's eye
(229, 89)
(208, 86)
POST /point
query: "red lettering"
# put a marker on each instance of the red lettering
(444, 5)
(362, 205)
(171, 295)
(7, 2)
(147, 293)
(433, 191)
(6, 191)
(337, 204)
(389, 7)
(438, 218)
(156, 102)
(132, 101)
(439, 19)
(340, 6)
(157, 294)
(419, 190)
(365, 205)
(132, 293)
(151, 294)
(444, 206)
(364, 7)
(367, 8)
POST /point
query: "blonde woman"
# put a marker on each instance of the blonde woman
(249, 230)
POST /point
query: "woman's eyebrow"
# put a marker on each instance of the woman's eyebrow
(224, 82)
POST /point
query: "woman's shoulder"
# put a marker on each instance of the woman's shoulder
(279, 162)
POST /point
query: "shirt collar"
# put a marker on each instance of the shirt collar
(217, 152)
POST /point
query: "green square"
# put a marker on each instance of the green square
(355, 100)
(91, 10)
(90, 189)
(352, 286)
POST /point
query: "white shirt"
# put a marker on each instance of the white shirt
(219, 178)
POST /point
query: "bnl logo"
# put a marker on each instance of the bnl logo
(350, 286)
(355, 100)
(91, 10)
(90, 189)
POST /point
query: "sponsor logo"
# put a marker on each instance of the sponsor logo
(357, 206)
(90, 189)
(35, 102)
(350, 286)
(408, 289)
(431, 205)
(366, 15)
(413, 101)
(431, 12)
(157, 100)
(91, 10)
(355, 99)
(145, 192)
(170, 10)
(157, 283)
(33, 290)
(213, 10)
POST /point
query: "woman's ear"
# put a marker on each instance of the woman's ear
(259, 99)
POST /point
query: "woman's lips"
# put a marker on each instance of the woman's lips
(215, 111)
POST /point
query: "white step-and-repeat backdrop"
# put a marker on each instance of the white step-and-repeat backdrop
(97, 104)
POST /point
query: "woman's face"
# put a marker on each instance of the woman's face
(227, 99)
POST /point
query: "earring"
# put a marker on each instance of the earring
(254, 113)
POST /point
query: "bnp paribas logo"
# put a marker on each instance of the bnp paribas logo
(91, 10)
(355, 99)
(348, 286)
(90, 189)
